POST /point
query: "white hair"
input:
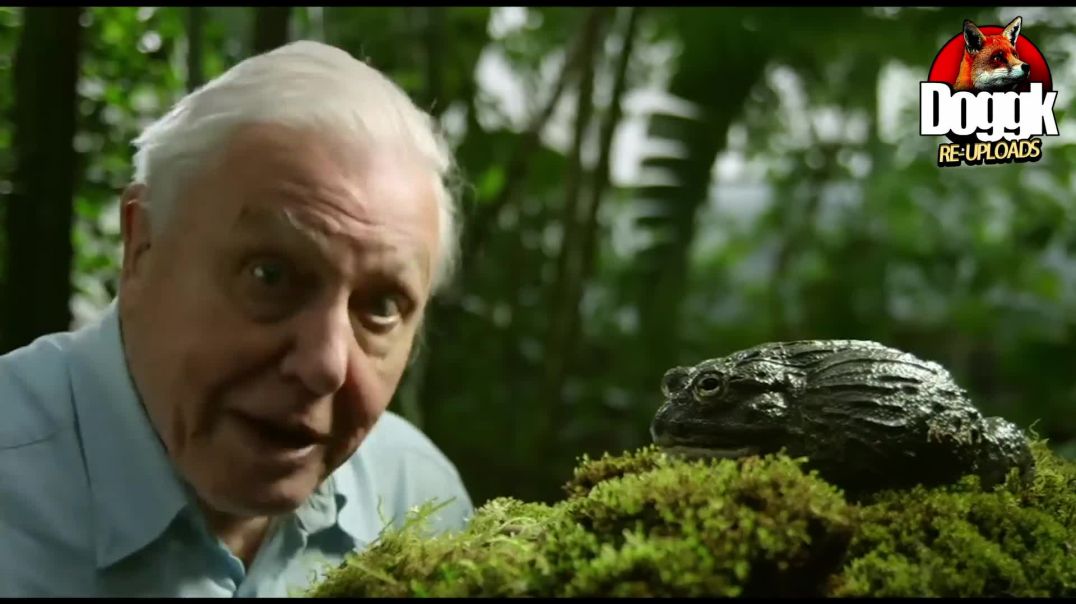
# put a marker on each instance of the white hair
(303, 84)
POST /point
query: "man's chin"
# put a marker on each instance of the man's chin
(268, 498)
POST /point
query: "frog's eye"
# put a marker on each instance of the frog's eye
(709, 384)
(674, 381)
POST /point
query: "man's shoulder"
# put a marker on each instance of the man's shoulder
(46, 546)
(35, 389)
(394, 439)
(399, 467)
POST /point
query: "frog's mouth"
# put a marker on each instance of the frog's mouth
(675, 432)
(690, 452)
(691, 449)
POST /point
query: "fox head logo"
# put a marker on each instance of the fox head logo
(990, 93)
(991, 62)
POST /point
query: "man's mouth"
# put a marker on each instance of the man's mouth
(285, 435)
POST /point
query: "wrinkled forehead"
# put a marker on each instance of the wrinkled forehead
(330, 238)
(281, 150)
(326, 172)
(283, 181)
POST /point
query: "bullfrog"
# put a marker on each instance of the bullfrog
(866, 416)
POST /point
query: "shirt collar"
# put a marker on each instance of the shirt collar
(323, 509)
(136, 490)
(343, 487)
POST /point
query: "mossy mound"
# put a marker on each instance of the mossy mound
(644, 524)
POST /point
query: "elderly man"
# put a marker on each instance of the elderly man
(222, 430)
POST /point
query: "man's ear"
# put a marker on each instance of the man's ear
(135, 227)
(973, 37)
(1012, 30)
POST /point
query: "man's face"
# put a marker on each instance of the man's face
(268, 325)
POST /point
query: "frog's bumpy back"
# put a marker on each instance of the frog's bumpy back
(871, 416)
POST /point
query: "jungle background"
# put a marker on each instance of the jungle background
(643, 187)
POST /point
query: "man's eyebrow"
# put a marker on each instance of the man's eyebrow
(278, 219)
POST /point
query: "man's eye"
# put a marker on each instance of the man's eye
(269, 287)
(385, 308)
(270, 273)
(271, 279)
(384, 311)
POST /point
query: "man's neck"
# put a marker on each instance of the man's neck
(243, 536)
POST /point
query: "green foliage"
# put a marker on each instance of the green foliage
(430, 52)
(10, 20)
(750, 221)
(644, 524)
(128, 77)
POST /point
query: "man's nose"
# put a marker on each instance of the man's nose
(321, 344)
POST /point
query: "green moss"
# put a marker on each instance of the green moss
(1016, 540)
(644, 524)
(590, 472)
(484, 560)
(716, 527)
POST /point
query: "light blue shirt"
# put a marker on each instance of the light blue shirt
(90, 504)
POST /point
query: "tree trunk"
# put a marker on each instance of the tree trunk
(38, 220)
(195, 73)
(602, 177)
(580, 251)
(270, 27)
(434, 42)
(797, 228)
(561, 307)
(719, 90)
(530, 141)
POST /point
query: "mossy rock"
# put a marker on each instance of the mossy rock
(644, 524)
